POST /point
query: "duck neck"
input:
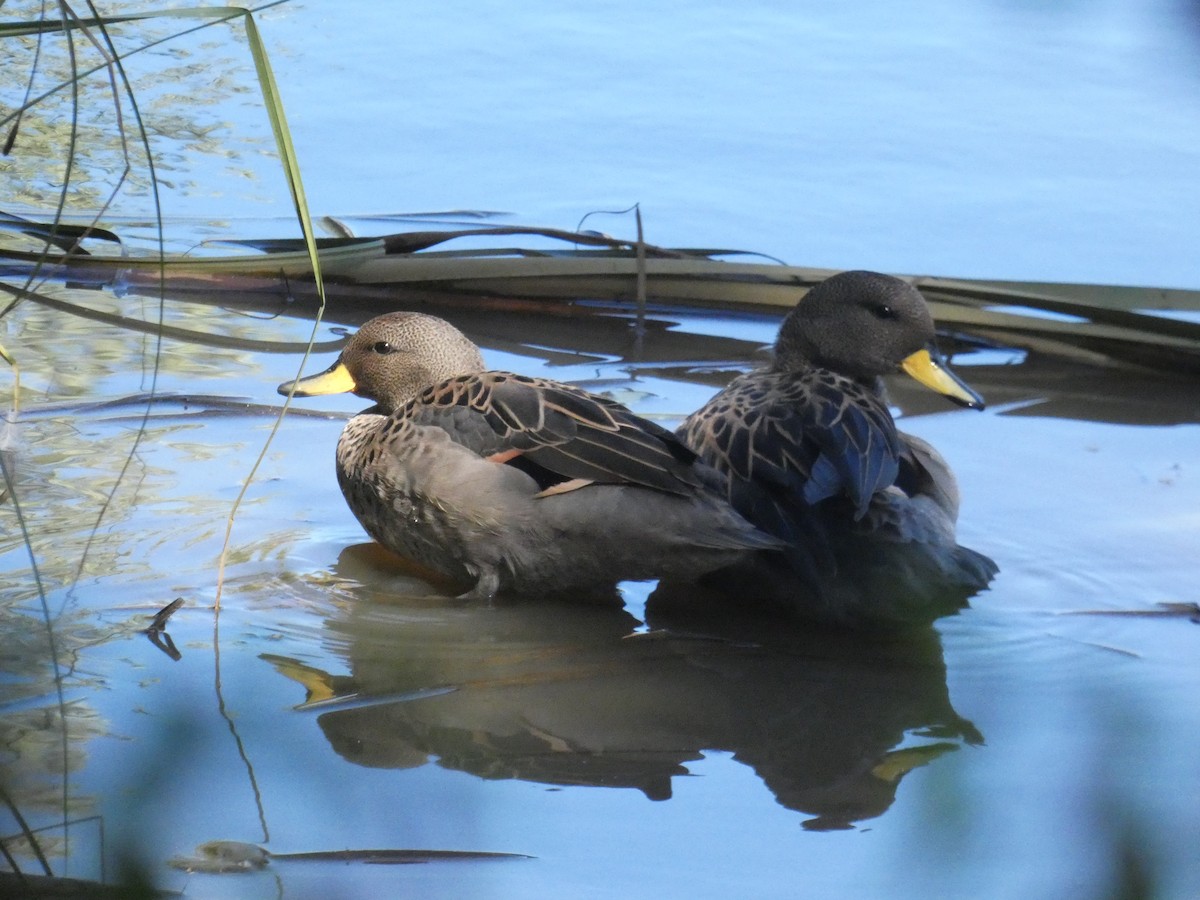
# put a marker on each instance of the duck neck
(875, 384)
(797, 363)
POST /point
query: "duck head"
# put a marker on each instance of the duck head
(392, 358)
(865, 325)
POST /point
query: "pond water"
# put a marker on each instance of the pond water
(1040, 743)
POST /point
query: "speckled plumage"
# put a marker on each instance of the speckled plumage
(812, 455)
(512, 483)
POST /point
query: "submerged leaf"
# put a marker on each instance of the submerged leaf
(218, 857)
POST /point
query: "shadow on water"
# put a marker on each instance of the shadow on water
(571, 695)
(708, 348)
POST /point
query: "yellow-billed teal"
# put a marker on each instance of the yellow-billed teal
(812, 456)
(516, 484)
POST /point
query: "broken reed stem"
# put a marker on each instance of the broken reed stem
(640, 289)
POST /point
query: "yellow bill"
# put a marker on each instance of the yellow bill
(928, 367)
(334, 380)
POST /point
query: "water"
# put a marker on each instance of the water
(1047, 141)
(1028, 747)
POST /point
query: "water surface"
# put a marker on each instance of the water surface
(1025, 746)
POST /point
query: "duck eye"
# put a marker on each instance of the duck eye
(383, 347)
(883, 311)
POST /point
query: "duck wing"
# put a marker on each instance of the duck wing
(555, 432)
(787, 442)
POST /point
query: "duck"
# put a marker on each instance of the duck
(812, 455)
(507, 483)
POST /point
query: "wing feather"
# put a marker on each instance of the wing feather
(790, 442)
(564, 430)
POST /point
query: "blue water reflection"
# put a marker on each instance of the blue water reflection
(1051, 141)
(1019, 140)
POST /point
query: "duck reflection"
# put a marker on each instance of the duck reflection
(564, 694)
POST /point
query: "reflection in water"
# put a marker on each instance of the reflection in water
(568, 695)
(692, 346)
(157, 632)
(560, 695)
(38, 761)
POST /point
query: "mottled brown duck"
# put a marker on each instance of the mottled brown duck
(813, 456)
(516, 484)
